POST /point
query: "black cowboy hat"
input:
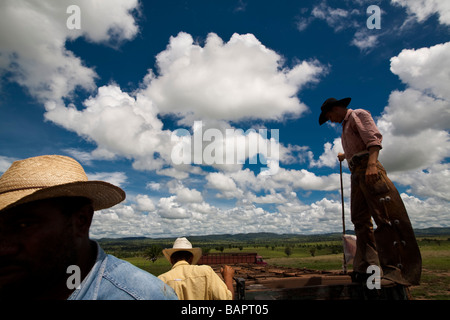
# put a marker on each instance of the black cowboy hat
(330, 103)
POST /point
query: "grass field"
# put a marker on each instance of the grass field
(435, 282)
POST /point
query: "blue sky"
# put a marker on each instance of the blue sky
(113, 92)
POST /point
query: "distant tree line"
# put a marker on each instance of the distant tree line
(152, 249)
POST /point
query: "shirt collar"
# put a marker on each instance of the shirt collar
(94, 275)
(180, 263)
(347, 115)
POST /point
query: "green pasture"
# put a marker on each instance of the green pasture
(156, 268)
(435, 252)
(301, 256)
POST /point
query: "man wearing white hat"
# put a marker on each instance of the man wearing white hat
(46, 209)
(193, 282)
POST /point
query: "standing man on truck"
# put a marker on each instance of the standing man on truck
(193, 282)
(392, 245)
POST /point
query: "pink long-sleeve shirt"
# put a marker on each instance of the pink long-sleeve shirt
(359, 133)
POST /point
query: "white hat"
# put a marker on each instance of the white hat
(183, 244)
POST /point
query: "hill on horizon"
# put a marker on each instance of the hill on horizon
(265, 236)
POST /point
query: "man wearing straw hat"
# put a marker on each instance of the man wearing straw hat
(392, 245)
(46, 209)
(192, 282)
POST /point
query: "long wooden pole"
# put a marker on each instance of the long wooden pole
(343, 216)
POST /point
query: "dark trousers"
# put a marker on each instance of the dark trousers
(392, 245)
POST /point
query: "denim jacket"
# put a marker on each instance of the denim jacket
(114, 279)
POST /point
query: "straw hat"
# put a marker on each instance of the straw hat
(53, 176)
(183, 244)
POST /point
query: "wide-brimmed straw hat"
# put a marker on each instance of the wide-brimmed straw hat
(183, 244)
(329, 104)
(53, 176)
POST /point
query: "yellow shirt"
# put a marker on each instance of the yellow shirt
(193, 282)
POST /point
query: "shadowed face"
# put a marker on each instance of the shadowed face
(336, 114)
(37, 244)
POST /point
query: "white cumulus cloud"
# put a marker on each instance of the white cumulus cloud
(423, 9)
(33, 51)
(232, 80)
(416, 121)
